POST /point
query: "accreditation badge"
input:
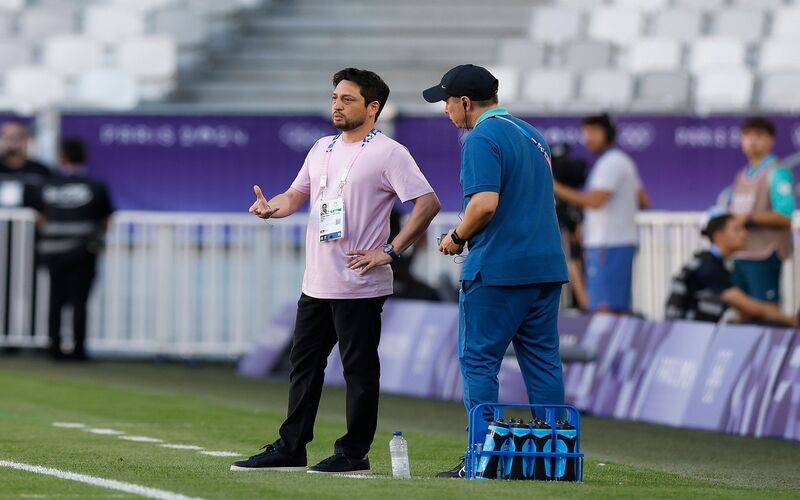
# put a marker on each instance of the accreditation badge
(331, 219)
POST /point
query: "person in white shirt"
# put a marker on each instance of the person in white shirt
(611, 199)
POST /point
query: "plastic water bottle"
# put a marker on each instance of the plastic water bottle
(398, 449)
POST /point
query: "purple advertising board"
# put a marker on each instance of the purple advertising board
(730, 352)
(579, 379)
(209, 163)
(665, 392)
(274, 341)
(752, 394)
(783, 416)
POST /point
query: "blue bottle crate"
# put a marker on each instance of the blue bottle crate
(559, 464)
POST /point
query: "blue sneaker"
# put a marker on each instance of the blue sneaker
(272, 459)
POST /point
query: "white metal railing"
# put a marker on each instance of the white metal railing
(206, 285)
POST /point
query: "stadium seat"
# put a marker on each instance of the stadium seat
(742, 24)
(522, 54)
(606, 88)
(33, 87)
(508, 91)
(785, 23)
(144, 5)
(717, 53)
(588, 55)
(71, 54)
(15, 52)
(761, 4)
(187, 28)
(107, 88)
(779, 92)
(662, 92)
(37, 24)
(701, 4)
(654, 54)
(616, 25)
(551, 89)
(112, 24)
(779, 55)
(6, 25)
(555, 24)
(680, 24)
(156, 78)
(583, 4)
(12, 5)
(642, 5)
(724, 90)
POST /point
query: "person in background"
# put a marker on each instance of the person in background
(704, 289)
(406, 285)
(763, 197)
(611, 199)
(76, 210)
(14, 160)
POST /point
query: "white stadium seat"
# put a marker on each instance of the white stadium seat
(37, 24)
(108, 89)
(785, 23)
(153, 61)
(662, 92)
(15, 52)
(607, 88)
(654, 54)
(70, 54)
(34, 88)
(588, 54)
(643, 5)
(508, 76)
(112, 24)
(615, 24)
(742, 24)
(701, 4)
(724, 90)
(583, 4)
(761, 4)
(549, 88)
(779, 92)
(6, 25)
(717, 53)
(779, 55)
(187, 28)
(555, 24)
(521, 53)
(12, 5)
(680, 24)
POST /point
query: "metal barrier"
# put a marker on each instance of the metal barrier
(206, 285)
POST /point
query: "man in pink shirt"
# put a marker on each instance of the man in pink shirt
(352, 180)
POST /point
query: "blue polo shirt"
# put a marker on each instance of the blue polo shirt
(522, 243)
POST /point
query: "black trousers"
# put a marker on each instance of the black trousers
(70, 284)
(356, 325)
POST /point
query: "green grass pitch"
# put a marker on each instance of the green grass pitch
(210, 406)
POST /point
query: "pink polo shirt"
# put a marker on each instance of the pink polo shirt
(383, 170)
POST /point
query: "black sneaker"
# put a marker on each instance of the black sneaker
(272, 459)
(340, 463)
(457, 472)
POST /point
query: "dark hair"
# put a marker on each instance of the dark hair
(758, 123)
(605, 121)
(487, 102)
(715, 225)
(372, 86)
(73, 150)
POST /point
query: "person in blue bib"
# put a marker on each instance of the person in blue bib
(512, 276)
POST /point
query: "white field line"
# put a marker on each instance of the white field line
(105, 432)
(221, 453)
(141, 439)
(69, 425)
(110, 484)
(182, 447)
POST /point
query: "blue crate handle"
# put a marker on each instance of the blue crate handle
(476, 433)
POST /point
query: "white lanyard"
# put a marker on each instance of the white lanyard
(326, 160)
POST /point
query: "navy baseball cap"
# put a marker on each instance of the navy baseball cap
(468, 80)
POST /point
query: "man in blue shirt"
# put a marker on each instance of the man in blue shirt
(511, 279)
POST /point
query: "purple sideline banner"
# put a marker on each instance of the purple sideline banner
(275, 339)
(579, 379)
(727, 356)
(209, 163)
(665, 392)
(783, 416)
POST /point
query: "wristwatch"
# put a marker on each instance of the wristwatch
(389, 249)
(457, 239)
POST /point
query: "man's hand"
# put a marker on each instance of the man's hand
(448, 247)
(366, 260)
(261, 208)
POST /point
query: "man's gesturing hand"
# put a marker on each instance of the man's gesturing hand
(365, 260)
(261, 208)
